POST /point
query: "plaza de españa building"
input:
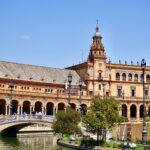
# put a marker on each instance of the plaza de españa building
(46, 90)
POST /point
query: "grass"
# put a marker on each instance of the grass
(86, 141)
(65, 138)
(112, 144)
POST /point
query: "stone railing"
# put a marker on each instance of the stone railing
(26, 117)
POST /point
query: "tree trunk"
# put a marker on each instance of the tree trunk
(98, 137)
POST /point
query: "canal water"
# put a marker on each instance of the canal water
(31, 142)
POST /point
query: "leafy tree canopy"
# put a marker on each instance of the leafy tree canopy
(66, 122)
(102, 114)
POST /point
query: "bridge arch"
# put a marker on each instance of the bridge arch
(2, 107)
(11, 129)
(11, 125)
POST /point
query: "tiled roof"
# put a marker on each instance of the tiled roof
(36, 73)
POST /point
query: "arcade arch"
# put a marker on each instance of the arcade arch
(38, 107)
(26, 107)
(83, 109)
(2, 107)
(14, 105)
(73, 106)
(49, 108)
(133, 110)
(141, 111)
(61, 107)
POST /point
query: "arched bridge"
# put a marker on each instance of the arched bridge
(10, 125)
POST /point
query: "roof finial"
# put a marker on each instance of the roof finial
(97, 22)
(97, 28)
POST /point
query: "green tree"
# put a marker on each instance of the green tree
(66, 122)
(102, 114)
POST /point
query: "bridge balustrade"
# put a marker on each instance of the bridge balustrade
(26, 117)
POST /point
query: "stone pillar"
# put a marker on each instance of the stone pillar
(128, 112)
(53, 111)
(18, 111)
(30, 109)
(137, 114)
(21, 110)
(33, 108)
(43, 110)
(6, 110)
(56, 109)
(9, 110)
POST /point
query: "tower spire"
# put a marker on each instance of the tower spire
(97, 49)
(97, 33)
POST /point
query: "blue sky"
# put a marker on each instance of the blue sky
(57, 33)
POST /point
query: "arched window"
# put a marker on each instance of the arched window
(118, 76)
(123, 77)
(148, 78)
(136, 77)
(130, 77)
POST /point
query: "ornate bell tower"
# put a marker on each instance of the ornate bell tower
(97, 50)
(96, 65)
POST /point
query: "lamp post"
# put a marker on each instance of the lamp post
(104, 90)
(11, 86)
(123, 110)
(123, 114)
(69, 92)
(144, 131)
(80, 88)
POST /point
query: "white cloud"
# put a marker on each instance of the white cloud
(26, 37)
